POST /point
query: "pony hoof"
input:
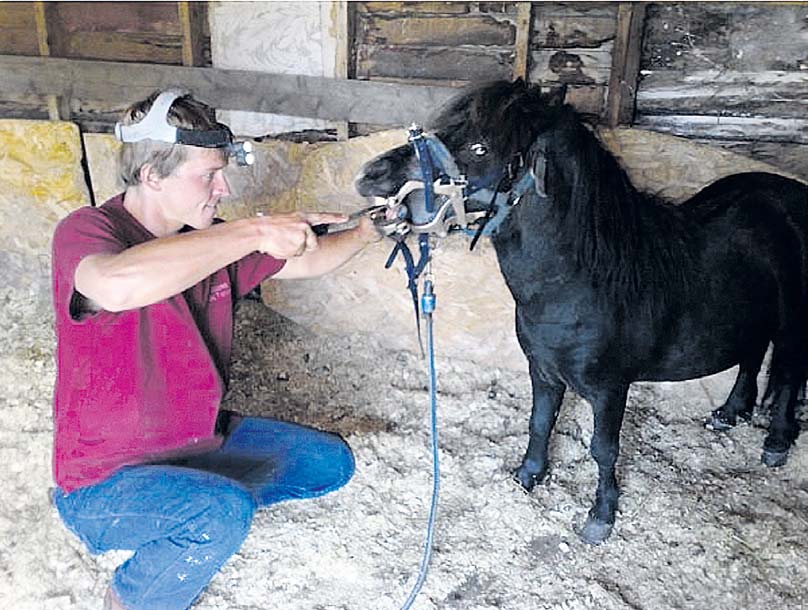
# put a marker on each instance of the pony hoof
(773, 459)
(594, 532)
(526, 478)
(717, 424)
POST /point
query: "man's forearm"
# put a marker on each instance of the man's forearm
(333, 251)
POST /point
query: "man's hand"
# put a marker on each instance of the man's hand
(287, 236)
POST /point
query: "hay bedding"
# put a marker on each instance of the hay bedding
(703, 524)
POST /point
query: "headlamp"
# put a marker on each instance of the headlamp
(242, 152)
(155, 126)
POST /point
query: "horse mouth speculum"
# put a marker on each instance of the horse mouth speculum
(441, 201)
(407, 209)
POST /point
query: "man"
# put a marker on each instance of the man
(143, 289)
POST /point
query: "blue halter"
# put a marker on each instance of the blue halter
(425, 149)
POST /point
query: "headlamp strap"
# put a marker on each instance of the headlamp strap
(154, 126)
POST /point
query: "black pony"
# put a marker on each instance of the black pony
(613, 286)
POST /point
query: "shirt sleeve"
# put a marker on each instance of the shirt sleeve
(84, 232)
(253, 269)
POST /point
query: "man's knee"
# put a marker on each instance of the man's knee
(228, 517)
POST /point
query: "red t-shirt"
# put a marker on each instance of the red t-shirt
(140, 383)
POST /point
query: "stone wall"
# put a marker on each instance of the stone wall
(42, 181)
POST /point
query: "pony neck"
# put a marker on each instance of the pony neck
(598, 216)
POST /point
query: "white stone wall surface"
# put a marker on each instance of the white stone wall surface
(274, 37)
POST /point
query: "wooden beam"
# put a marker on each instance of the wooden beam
(296, 95)
(626, 52)
(524, 25)
(739, 128)
(58, 108)
(343, 35)
(192, 33)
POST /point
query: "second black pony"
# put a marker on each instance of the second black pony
(614, 286)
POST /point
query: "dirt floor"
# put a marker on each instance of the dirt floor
(703, 524)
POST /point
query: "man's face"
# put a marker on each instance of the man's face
(193, 190)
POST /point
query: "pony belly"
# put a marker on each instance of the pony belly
(698, 356)
(685, 372)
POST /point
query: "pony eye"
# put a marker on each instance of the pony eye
(479, 149)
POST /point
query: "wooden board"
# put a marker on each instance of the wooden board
(144, 47)
(459, 64)
(413, 7)
(697, 36)
(483, 30)
(18, 28)
(560, 25)
(622, 95)
(160, 17)
(758, 129)
(123, 31)
(768, 93)
(307, 96)
(572, 66)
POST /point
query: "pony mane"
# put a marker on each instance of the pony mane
(630, 244)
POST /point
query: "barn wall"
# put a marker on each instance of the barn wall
(731, 74)
(148, 32)
(462, 42)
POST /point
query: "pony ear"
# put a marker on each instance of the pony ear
(556, 96)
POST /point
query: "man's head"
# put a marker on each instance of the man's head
(184, 112)
(174, 154)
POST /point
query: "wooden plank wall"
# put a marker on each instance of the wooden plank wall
(172, 33)
(731, 74)
(425, 42)
(460, 42)
(572, 44)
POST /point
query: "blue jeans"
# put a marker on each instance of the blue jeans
(183, 519)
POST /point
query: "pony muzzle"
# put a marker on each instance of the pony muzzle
(406, 211)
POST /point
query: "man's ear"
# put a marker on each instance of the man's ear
(149, 177)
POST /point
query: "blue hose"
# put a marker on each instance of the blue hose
(427, 307)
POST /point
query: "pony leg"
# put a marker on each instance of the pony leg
(547, 399)
(782, 394)
(608, 410)
(741, 400)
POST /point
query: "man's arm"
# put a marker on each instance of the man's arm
(331, 252)
(156, 270)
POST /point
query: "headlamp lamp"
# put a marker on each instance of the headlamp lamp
(155, 126)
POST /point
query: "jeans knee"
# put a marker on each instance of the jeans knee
(231, 513)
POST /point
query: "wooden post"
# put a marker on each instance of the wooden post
(524, 22)
(191, 24)
(625, 64)
(342, 26)
(58, 108)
